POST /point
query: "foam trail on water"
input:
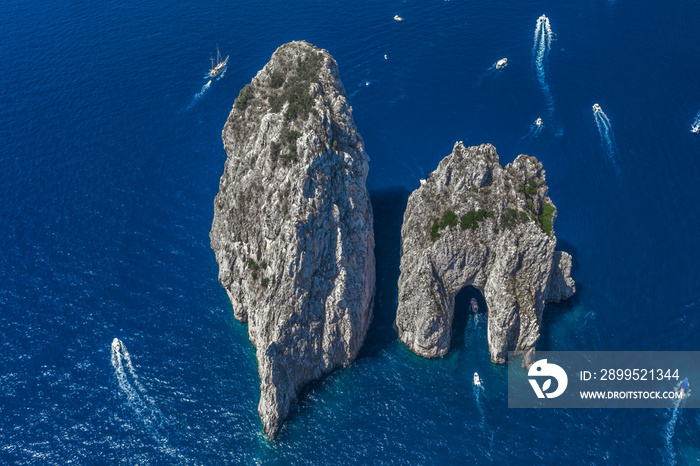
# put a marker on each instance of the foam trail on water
(535, 131)
(491, 71)
(607, 137)
(540, 52)
(480, 405)
(199, 94)
(136, 396)
(695, 127)
(669, 432)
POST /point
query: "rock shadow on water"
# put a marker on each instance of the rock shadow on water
(389, 205)
(556, 316)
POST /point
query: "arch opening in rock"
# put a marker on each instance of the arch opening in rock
(464, 316)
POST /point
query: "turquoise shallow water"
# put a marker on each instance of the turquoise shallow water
(111, 154)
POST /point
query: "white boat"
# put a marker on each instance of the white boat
(474, 305)
(596, 108)
(220, 64)
(696, 127)
(398, 18)
(538, 121)
(116, 345)
(501, 63)
(477, 380)
(543, 18)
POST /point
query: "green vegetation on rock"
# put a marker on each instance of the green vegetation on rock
(449, 218)
(276, 79)
(244, 97)
(252, 265)
(530, 188)
(295, 90)
(472, 218)
(435, 230)
(289, 139)
(546, 218)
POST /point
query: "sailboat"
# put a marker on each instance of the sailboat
(220, 65)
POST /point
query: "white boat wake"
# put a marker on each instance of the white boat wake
(136, 396)
(493, 70)
(669, 432)
(480, 404)
(607, 137)
(540, 52)
(199, 94)
(202, 90)
(535, 129)
(695, 127)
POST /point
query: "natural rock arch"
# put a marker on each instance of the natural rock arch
(475, 223)
(464, 315)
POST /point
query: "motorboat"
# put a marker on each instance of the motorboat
(477, 380)
(696, 127)
(596, 108)
(501, 63)
(538, 121)
(398, 18)
(473, 305)
(116, 345)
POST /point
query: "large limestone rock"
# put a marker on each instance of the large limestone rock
(476, 223)
(293, 227)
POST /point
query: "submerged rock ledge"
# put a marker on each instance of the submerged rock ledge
(293, 227)
(476, 223)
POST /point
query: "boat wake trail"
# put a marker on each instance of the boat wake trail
(199, 94)
(540, 52)
(669, 432)
(136, 397)
(480, 405)
(493, 70)
(535, 130)
(607, 137)
(695, 127)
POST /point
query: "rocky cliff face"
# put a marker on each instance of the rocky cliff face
(476, 223)
(293, 227)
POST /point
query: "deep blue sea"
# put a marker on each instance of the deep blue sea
(110, 158)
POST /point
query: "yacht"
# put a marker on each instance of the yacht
(477, 380)
(116, 345)
(398, 18)
(538, 121)
(501, 63)
(220, 65)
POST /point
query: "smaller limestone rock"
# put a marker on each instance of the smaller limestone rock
(476, 223)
